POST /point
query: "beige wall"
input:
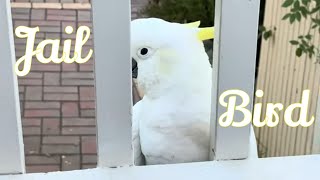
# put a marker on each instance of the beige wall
(282, 76)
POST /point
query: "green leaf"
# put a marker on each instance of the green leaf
(287, 3)
(262, 28)
(316, 21)
(302, 47)
(311, 49)
(309, 37)
(298, 16)
(296, 5)
(314, 10)
(286, 16)
(304, 42)
(303, 11)
(267, 35)
(305, 2)
(299, 52)
(293, 42)
(292, 18)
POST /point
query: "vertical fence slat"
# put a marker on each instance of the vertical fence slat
(11, 144)
(236, 24)
(111, 24)
(316, 131)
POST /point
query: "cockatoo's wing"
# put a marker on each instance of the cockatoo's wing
(138, 156)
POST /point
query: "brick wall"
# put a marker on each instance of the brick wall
(57, 100)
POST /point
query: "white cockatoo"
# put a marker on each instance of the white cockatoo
(171, 124)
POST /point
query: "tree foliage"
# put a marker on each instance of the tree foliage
(182, 11)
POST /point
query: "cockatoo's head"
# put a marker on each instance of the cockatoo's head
(168, 53)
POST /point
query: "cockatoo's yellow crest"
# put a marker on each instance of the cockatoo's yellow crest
(204, 33)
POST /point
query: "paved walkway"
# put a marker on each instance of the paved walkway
(57, 100)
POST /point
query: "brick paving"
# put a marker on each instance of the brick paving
(57, 100)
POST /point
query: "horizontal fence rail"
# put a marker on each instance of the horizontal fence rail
(11, 144)
(261, 169)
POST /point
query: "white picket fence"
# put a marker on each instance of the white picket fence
(234, 68)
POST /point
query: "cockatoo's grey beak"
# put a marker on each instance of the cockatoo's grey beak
(136, 95)
(134, 68)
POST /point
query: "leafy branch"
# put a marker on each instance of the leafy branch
(266, 33)
(181, 11)
(301, 10)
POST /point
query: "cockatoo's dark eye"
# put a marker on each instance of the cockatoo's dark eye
(144, 52)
